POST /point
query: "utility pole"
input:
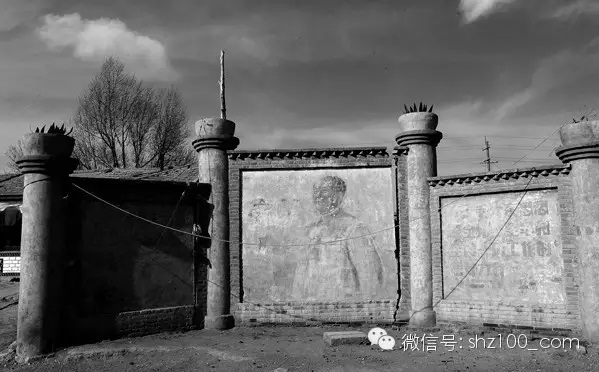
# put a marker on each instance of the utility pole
(488, 161)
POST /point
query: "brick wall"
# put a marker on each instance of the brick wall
(145, 322)
(562, 315)
(11, 263)
(310, 313)
(246, 313)
(128, 277)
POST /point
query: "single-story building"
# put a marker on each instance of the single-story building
(11, 197)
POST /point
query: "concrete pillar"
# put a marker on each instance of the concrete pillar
(580, 148)
(46, 164)
(214, 137)
(418, 134)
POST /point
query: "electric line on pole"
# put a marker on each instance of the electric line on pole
(488, 161)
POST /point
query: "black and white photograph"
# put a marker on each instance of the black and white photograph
(280, 186)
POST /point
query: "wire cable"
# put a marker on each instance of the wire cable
(537, 146)
(155, 248)
(250, 243)
(482, 255)
(165, 227)
(282, 245)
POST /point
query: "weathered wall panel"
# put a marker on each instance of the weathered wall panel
(523, 264)
(280, 207)
(266, 305)
(529, 275)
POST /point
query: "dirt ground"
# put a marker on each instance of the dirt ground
(298, 349)
(8, 311)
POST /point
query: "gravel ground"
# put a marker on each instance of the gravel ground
(303, 349)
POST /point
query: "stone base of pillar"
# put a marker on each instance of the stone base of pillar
(423, 319)
(220, 322)
(23, 359)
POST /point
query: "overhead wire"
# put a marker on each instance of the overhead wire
(166, 227)
(262, 244)
(444, 297)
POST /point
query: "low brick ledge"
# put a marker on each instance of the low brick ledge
(301, 304)
(315, 153)
(544, 170)
(254, 323)
(504, 326)
(151, 321)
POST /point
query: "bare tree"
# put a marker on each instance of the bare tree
(184, 155)
(13, 154)
(146, 115)
(170, 132)
(122, 123)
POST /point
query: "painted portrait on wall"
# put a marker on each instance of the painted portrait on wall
(317, 235)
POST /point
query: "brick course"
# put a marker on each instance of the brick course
(313, 313)
(151, 321)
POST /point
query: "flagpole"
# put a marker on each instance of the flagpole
(223, 107)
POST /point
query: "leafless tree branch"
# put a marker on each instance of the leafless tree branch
(120, 122)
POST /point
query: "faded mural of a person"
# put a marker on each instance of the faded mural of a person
(350, 269)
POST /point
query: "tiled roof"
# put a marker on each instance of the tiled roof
(182, 174)
(11, 185)
(7, 176)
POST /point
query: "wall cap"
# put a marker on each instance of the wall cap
(400, 150)
(544, 170)
(309, 153)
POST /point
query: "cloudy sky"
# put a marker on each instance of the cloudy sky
(320, 73)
